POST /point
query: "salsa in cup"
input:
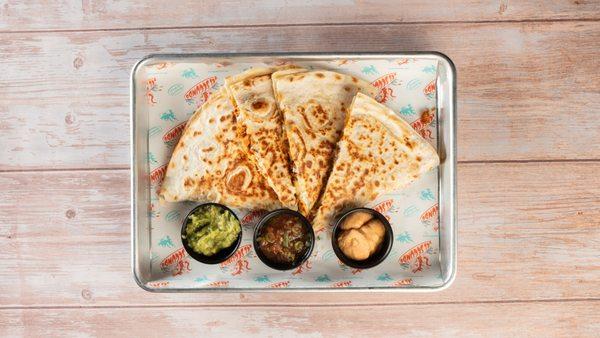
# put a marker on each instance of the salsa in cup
(283, 239)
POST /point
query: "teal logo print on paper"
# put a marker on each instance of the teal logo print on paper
(413, 84)
(262, 279)
(154, 131)
(201, 279)
(173, 215)
(151, 158)
(322, 278)
(370, 70)
(431, 69)
(384, 277)
(189, 74)
(426, 195)
(166, 242)
(327, 255)
(404, 237)
(169, 115)
(411, 210)
(175, 89)
(407, 110)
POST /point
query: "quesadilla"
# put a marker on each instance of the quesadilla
(209, 165)
(378, 153)
(260, 127)
(314, 105)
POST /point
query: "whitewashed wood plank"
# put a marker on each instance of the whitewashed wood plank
(109, 14)
(528, 231)
(525, 90)
(555, 319)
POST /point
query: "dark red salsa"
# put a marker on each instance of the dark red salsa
(283, 239)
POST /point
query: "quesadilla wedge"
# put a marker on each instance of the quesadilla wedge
(209, 164)
(378, 153)
(314, 105)
(260, 127)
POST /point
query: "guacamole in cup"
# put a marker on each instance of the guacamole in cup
(211, 228)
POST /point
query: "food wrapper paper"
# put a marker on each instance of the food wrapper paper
(175, 90)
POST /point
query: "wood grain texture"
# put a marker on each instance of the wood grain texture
(566, 319)
(526, 91)
(528, 231)
(109, 14)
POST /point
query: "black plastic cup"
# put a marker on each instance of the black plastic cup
(377, 257)
(220, 256)
(278, 265)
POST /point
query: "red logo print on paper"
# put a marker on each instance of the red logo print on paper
(429, 90)
(157, 175)
(172, 136)
(176, 262)
(345, 267)
(218, 284)
(403, 282)
(253, 216)
(384, 207)
(421, 124)
(430, 217)
(307, 265)
(416, 257)
(158, 284)
(200, 92)
(277, 285)
(383, 84)
(238, 260)
(342, 284)
(151, 89)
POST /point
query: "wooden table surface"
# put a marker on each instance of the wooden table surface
(528, 171)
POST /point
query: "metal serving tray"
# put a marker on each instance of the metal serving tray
(167, 89)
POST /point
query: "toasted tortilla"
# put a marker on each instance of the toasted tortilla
(378, 153)
(210, 165)
(314, 105)
(260, 127)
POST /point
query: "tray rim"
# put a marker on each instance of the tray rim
(450, 156)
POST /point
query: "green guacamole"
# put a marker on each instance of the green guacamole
(210, 229)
